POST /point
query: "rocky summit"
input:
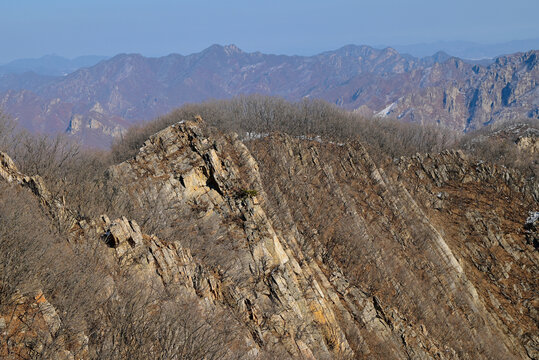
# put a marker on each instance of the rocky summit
(292, 248)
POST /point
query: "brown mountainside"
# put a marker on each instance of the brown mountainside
(294, 249)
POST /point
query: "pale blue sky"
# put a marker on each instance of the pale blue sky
(32, 28)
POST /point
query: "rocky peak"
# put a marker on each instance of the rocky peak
(231, 49)
(184, 166)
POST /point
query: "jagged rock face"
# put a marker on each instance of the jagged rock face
(526, 137)
(283, 297)
(474, 96)
(317, 251)
(29, 324)
(154, 261)
(10, 174)
(406, 289)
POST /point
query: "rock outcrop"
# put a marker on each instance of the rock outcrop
(437, 240)
(283, 298)
(27, 327)
(54, 206)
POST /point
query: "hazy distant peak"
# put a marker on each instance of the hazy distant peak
(51, 65)
(469, 50)
(390, 50)
(232, 49)
(130, 56)
(131, 87)
(356, 50)
(528, 57)
(441, 55)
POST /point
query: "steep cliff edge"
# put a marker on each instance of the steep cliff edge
(311, 250)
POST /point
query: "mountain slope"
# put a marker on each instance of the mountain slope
(467, 100)
(314, 251)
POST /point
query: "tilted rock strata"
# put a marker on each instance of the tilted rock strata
(412, 248)
(284, 297)
(488, 206)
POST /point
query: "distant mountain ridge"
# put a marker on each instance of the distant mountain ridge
(50, 65)
(99, 102)
(468, 49)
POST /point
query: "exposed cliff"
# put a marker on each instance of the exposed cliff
(472, 97)
(311, 250)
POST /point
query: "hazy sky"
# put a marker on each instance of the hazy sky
(32, 28)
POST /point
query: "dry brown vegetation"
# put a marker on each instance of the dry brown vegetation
(34, 254)
(133, 321)
(78, 174)
(496, 143)
(256, 115)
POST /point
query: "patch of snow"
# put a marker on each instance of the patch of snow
(534, 216)
(404, 113)
(178, 123)
(317, 138)
(97, 108)
(255, 135)
(252, 67)
(385, 112)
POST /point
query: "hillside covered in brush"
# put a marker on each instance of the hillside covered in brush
(260, 229)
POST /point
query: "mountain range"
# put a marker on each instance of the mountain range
(99, 102)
